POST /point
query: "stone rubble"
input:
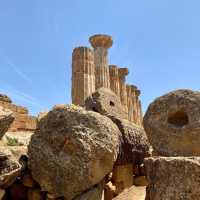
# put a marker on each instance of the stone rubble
(96, 148)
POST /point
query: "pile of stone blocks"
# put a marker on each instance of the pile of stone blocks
(172, 124)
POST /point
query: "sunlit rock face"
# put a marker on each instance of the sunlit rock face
(72, 150)
(172, 124)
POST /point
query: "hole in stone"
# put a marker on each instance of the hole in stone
(112, 103)
(94, 109)
(178, 119)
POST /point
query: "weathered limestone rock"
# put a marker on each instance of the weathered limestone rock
(114, 79)
(109, 191)
(41, 115)
(9, 170)
(133, 193)
(95, 193)
(105, 102)
(6, 119)
(22, 121)
(2, 193)
(140, 181)
(101, 43)
(5, 98)
(28, 181)
(172, 124)
(122, 177)
(134, 146)
(79, 148)
(34, 194)
(173, 178)
(83, 74)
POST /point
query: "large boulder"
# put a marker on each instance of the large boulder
(172, 124)
(174, 178)
(106, 102)
(6, 118)
(72, 150)
(134, 145)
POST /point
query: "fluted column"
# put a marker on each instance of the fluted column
(101, 43)
(83, 74)
(134, 102)
(141, 114)
(139, 109)
(114, 79)
(130, 103)
(123, 72)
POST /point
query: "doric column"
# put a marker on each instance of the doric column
(123, 72)
(134, 102)
(83, 74)
(101, 43)
(130, 103)
(139, 109)
(141, 114)
(114, 79)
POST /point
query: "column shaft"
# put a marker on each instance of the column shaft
(83, 74)
(114, 79)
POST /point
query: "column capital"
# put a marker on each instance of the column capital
(101, 40)
(123, 72)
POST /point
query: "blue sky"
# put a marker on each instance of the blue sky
(159, 41)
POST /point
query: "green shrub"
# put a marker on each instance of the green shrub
(12, 141)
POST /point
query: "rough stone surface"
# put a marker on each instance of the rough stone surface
(106, 102)
(6, 119)
(172, 124)
(140, 181)
(173, 178)
(22, 121)
(134, 146)
(80, 150)
(34, 194)
(83, 74)
(133, 193)
(9, 170)
(96, 193)
(5, 98)
(2, 193)
(122, 177)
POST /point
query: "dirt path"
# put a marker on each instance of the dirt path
(134, 193)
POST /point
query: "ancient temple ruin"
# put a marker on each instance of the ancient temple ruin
(23, 121)
(91, 70)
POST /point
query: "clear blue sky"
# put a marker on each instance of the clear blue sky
(158, 40)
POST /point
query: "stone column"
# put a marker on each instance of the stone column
(134, 102)
(123, 72)
(141, 113)
(130, 103)
(101, 43)
(139, 109)
(114, 79)
(83, 74)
